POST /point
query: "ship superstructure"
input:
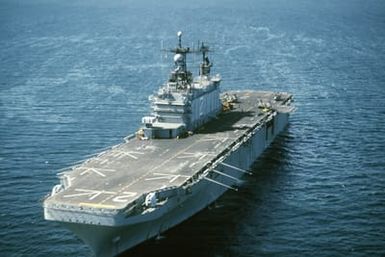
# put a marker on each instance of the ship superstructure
(196, 145)
(184, 103)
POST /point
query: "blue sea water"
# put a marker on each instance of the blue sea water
(75, 77)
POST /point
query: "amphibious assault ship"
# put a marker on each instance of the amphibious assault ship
(196, 145)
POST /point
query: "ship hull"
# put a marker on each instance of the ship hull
(107, 241)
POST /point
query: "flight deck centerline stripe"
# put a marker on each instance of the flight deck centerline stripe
(219, 183)
(236, 168)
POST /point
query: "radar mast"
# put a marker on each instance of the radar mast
(180, 74)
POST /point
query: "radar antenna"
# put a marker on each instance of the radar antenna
(204, 69)
(180, 74)
(180, 38)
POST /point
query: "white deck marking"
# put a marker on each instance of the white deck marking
(203, 156)
(98, 171)
(160, 165)
(210, 153)
(104, 161)
(199, 155)
(119, 153)
(170, 177)
(124, 197)
(68, 179)
(212, 138)
(96, 205)
(88, 192)
(188, 155)
(164, 152)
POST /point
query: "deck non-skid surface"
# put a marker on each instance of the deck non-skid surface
(121, 174)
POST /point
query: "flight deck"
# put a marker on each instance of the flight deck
(117, 176)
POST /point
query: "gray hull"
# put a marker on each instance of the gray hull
(107, 241)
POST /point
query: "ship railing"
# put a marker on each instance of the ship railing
(129, 137)
(174, 110)
(86, 209)
(285, 109)
(198, 91)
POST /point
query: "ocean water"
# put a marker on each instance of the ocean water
(75, 78)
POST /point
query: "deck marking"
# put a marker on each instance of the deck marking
(203, 156)
(210, 153)
(164, 152)
(104, 161)
(160, 165)
(188, 155)
(211, 138)
(170, 177)
(199, 155)
(98, 171)
(88, 192)
(98, 205)
(119, 153)
(191, 155)
(125, 197)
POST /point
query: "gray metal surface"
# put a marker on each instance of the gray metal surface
(118, 176)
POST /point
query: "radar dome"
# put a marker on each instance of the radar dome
(178, 58)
